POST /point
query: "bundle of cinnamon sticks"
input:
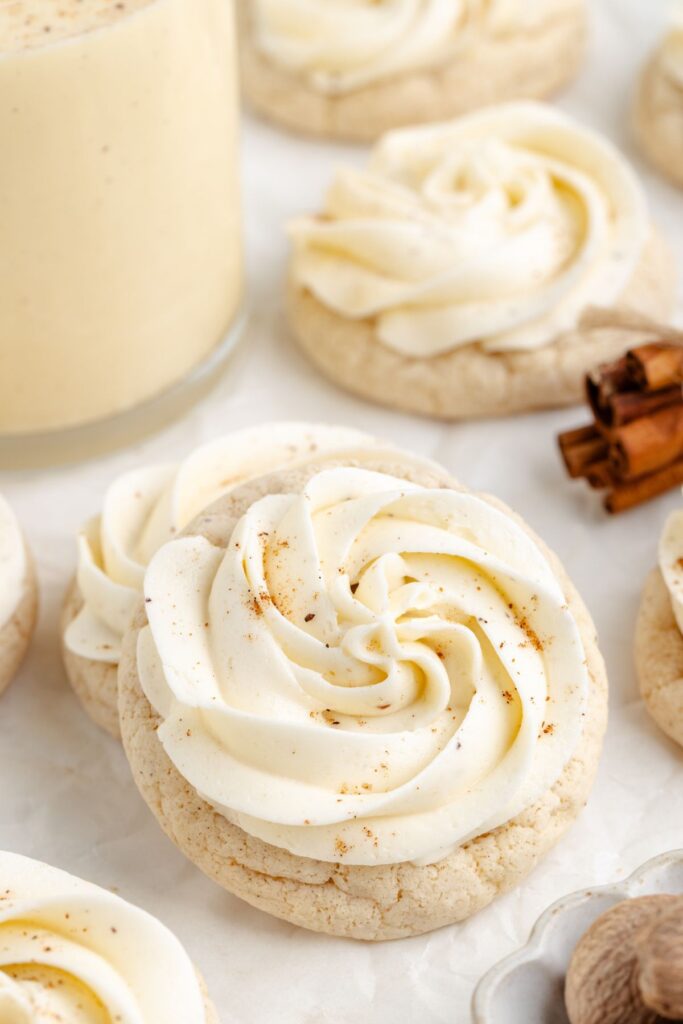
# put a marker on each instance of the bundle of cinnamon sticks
(634, 447)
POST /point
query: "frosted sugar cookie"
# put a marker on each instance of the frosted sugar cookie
(658, 107)
(143, 509)
(18, 595)
(449, 276)
(360, 697)
(72, 952)
(356, 69)
(659, 643)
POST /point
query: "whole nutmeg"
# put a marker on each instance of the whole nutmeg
(660, 965)
(628, 967)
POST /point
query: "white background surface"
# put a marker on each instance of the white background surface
(66, 795)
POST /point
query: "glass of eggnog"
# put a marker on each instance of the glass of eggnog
(121, 270)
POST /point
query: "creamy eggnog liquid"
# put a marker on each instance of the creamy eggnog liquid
(120, 245)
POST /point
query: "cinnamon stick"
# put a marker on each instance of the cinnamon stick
(576, 436)
(656, 366)
(605, 383)
(629, 495)
(600, 475)
(634, 447)
(581, 448)
(623, 407)
(649, 443)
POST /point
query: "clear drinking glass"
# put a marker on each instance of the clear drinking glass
(121, 262)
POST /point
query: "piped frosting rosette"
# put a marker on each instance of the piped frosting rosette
(72, 952)
(498, 229)
(147, 507)
(13, 563)
(370, 672)
(339, 46)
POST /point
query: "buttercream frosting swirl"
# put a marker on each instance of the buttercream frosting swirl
(342, 45)
(72, 952)
(146, 507)
(370, 672)
(671, 562)
(499, 229)
(12, 563)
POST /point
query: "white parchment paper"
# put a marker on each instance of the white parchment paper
(66, 795)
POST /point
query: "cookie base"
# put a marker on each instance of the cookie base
(15, 635)
(658, 120)
(659, 657)
(369, 903)
(93, 682)
(526, 65)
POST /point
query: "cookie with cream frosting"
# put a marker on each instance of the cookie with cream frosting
(360, 697)
(659, 633)
(143, 509)
(18, 595)
(658, 105)
(356, 70)
(70, 951)
(449, 277)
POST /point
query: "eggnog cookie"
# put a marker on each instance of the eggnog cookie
(658, 108)
(450, 277)
(142, 510)
(18, 596)
(70, 951)
(659, 643)
(361, 698)
(355, 70)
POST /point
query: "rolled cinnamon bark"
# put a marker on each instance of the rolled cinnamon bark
(603, 384)
(649, 443)
(601, 475)
(629, 495)
(656, 366)
(626, 406)
(581, 448)
(634, 447)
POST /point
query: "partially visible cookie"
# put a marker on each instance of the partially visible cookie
(450, 278)
(318, 733)
(88, 954)
(142, 509)
(659, 657)
(18, 596)
(356, 72)
(658, 106)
